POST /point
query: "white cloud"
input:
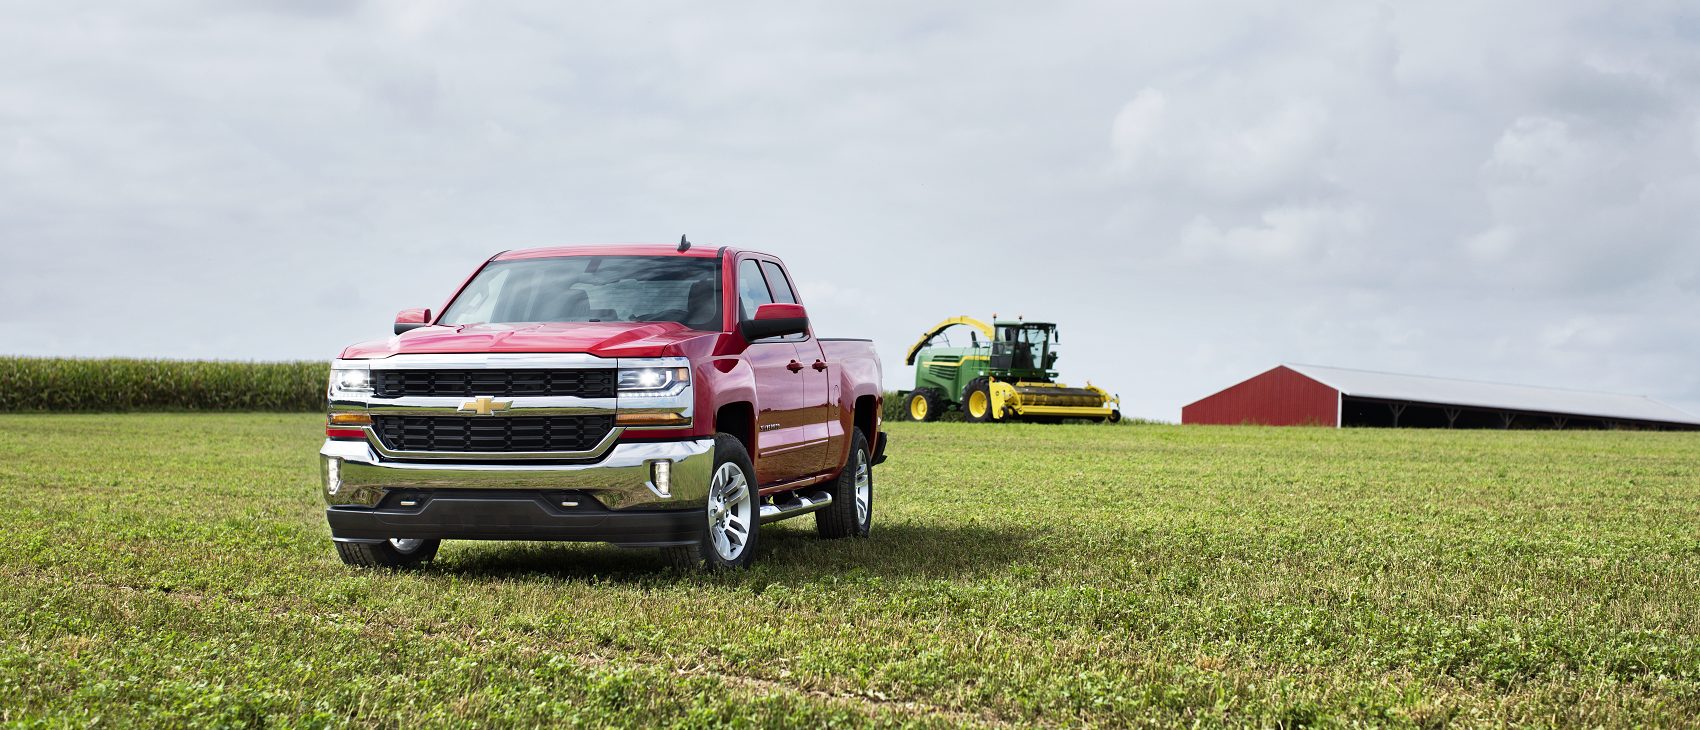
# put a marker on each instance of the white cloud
(1493, 244)
(1218, 145)
(1138, 128)
(30, 155)
(1279, 148)
(1373, 48)
(1697, 137)
(1537, 150)
(1581, 207)
(1285, 233)
(406, 86)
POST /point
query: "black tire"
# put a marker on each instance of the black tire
(1115, 417)
(389, 553)
(848, 515)
(923, 404)
(729, 456)
(977, 410)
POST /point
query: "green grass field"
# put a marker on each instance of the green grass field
(174, 570)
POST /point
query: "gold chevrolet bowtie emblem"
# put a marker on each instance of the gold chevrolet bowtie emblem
(483, 406)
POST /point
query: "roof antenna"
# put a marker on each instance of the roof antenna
(684, 245)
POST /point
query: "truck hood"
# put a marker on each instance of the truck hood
(603, 339)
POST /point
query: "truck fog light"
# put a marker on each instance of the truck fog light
(333, 475)
(661, 477)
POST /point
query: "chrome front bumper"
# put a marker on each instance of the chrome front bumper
(621, 480)
(613, 500)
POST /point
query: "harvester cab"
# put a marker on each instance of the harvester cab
(1009, 376)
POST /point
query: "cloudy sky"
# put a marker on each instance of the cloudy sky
(1503, 191)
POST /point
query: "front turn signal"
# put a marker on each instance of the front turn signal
(347, 425)
(651, 419)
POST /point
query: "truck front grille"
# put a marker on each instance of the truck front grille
(451, 433)
(584, 383)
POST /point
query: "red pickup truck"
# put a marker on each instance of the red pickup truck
(642, 395)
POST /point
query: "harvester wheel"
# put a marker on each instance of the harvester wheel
(977, 401)
(924, 404)
(1115, 417)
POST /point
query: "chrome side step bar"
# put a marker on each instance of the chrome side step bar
(799, 506)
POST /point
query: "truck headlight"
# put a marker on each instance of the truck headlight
(352, 382)
(653, 381)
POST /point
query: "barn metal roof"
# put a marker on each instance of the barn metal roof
(1470, 393)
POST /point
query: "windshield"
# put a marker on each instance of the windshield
(1031, 334)
(593, 289)
(1030, 346)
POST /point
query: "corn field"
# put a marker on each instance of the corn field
(118, 384)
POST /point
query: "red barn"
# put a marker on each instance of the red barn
(1308, 395)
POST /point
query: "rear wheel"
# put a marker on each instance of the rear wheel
(728, 539)
(977, 401)
(924, 404)
(851, 513)
(391, 553)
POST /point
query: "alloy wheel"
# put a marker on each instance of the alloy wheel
(731, 505)
(864, 488)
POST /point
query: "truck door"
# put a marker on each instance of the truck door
(821, 429)
(781, 451)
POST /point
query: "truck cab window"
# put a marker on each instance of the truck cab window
(782, 293)
(752, 289)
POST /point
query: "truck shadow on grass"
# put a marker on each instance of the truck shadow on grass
(906, 551)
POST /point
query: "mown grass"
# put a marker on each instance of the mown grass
(123, 385)
(173, 570)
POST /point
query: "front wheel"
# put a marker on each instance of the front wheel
(851, 513)
(977, 401)
(923, 404)
(392, 553)
(728, 539)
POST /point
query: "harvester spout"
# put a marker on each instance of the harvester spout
(921, 344)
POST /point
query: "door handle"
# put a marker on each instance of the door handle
(795, 367)
(819, 365)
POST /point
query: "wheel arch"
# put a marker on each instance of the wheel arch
(738, 419)
(866, 416)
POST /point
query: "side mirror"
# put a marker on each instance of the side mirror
(775, 320)
(411, 319)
